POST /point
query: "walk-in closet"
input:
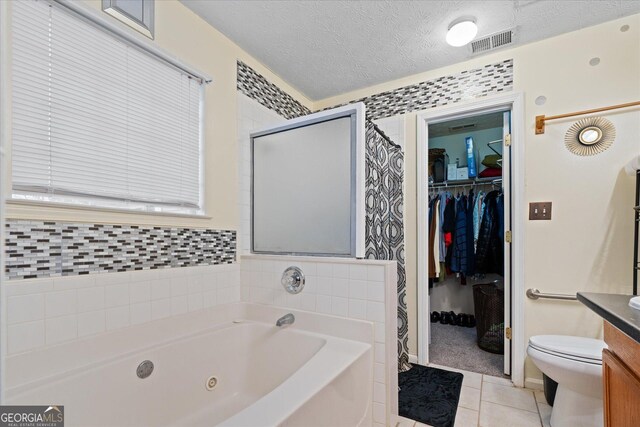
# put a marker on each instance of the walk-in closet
(467, 258)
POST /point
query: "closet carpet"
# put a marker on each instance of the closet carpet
(455, 347)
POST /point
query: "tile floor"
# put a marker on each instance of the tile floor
(487, 401)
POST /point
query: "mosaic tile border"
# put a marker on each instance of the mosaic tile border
(256, 86)
(36, 249)
(468, 84)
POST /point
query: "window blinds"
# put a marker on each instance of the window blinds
(95, 117)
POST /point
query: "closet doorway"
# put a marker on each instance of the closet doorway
(465, 234)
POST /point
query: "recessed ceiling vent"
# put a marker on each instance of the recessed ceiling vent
(493, 41)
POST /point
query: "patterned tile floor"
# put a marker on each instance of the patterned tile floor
(487, 401)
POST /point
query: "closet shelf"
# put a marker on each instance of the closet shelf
(489, 180)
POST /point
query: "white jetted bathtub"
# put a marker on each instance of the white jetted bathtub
(241, 372)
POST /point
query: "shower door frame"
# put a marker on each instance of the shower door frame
(514, 102)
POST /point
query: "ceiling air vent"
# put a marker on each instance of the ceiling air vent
(493, 41)
(461, 127)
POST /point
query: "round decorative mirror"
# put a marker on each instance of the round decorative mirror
(590, 136)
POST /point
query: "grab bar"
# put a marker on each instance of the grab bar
(533, 293)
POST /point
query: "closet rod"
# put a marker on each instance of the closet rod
(470, 183)
(540, 120)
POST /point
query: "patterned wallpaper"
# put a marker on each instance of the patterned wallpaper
(37, 249)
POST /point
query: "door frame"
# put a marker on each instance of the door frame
(513, 101)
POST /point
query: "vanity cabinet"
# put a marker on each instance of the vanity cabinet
(621, 378)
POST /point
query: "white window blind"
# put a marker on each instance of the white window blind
(96, 118)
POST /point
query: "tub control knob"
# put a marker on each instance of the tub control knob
(293, 280)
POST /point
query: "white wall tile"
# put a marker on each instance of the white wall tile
(140, 313)
(141, 292)
(25, 336)
(357, 309)
(340, 287)
(28, 287)
(375, 291)
(323, 304)
(358, 271)
(75, 282)
(85, 305)
(91, 322)
(324, 269)
(378, 372)
(375, 273)
(375, 311)
(90, 299)
(340, 306)
(179, 305)
(161, 289)
(178, 286)
(324, 285)
(194, 302)
(160, 308)
(379, 412)
(358, 289)
(209, 298)
(25, 308)
(116, 295)
(61, 329)
(379, 392)
(118, 317)
(61, 303)
(340, 270)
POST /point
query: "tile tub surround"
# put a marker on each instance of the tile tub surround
(49, 311)
(52, 248)
(341, 287)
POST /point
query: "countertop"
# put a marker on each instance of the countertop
(614, 308)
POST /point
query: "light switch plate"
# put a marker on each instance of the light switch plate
(539, 211)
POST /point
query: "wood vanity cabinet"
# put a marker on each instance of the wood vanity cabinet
(621, 379)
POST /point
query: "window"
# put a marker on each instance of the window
(98, 121)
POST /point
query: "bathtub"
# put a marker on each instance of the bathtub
(258, 375)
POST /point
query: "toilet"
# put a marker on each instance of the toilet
(575, 363)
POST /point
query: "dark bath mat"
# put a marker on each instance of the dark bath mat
(429, 395)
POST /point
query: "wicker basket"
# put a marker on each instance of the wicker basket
(488, 301)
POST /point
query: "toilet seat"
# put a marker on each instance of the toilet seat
(580, 349)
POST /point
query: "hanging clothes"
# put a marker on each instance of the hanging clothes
(490, 250)
(477, 217)
(459, 258)
(470, 270)
(448, 229)
(432, 236)
(436, 244)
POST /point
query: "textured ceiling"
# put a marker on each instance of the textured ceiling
(325, 48)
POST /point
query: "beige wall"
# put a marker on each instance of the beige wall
(588, 244)
(184, 35)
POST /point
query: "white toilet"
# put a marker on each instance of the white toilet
(575, 363)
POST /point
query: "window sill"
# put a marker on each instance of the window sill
(68, 206)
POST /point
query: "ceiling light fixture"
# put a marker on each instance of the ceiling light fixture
(461, 32)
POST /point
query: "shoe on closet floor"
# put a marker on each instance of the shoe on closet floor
(435, 317)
